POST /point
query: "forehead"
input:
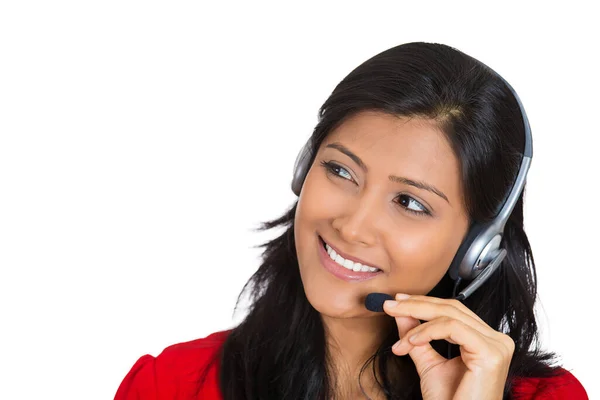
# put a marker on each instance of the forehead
(414, 148)
(393, 135)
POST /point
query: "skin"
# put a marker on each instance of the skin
(363, 213)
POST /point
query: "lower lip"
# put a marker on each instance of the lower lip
(341, 272)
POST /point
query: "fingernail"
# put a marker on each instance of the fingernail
(390, 303)
(402, 296)
(396, 345)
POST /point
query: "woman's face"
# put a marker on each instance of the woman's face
(365, 197)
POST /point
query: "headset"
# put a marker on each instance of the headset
(479, 254)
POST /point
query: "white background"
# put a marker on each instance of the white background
(142, 142)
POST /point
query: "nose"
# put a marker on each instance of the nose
(357, 225)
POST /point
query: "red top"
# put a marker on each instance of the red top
(175, 373)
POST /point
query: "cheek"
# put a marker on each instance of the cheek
(314, 207)
(421, 258)
(318, 200)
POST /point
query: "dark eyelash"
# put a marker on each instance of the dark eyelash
(331, 167)
(423, 213)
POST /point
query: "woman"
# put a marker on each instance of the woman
(413, 150)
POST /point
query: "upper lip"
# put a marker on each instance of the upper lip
(351, 258)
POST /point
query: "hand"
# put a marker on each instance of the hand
(485, 354)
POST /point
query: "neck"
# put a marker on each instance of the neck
(350, 343)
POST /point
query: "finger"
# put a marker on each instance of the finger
(428, 311)
(405, 324)
(454, 331)
(423, 356)
(436, 300)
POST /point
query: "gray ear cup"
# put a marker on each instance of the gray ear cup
(301, 167)
(455, 266)
(476, 251)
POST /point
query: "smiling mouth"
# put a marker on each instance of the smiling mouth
(343, 262)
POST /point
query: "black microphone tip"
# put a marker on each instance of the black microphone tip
(374, 301)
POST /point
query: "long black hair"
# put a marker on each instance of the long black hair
(279, 350)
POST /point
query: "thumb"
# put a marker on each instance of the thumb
(424, 356)
(405, 324)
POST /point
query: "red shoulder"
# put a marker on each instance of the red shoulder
(563, 385)
(186, 370)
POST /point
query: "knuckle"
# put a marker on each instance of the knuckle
(496, 359)
(510, 344)
(455, 303)
(453, 323)
(507, 345)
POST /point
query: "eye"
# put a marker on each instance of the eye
(406, 202)
(336, 170)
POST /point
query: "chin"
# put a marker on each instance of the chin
(333, 304)
(332, 297)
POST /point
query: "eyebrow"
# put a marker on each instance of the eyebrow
(399, 179)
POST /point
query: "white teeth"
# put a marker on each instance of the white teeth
(348, 264)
